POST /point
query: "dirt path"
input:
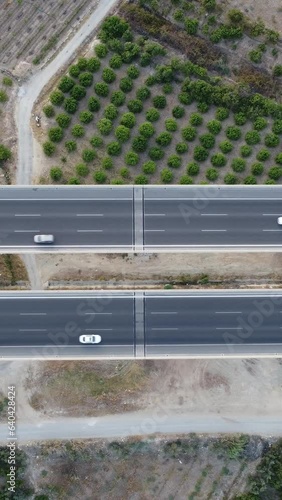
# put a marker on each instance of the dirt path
(137, 424)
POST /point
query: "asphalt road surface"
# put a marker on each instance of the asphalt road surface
(141, 324)
(138, 219)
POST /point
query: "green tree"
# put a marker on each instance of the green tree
(164, 139)
(212, 174)
(166, 176)
(86, 117)
(99, 176)
(93, 104)
(140, 179)
(63, 120)
(135, 106)
(82, 170)
(104, 126)
(70, 105)
(218, 160)
(78, 92)
(118, 98)
(101, 89)
(238, 164)
(55, 134)
(128, 120)
(49, 148)
(70, 146)
(149, 167)
(93, 64)
(131, 158)
(5, 153)
(108, 75)
(88, 155)
(49, 111)
(56, 173)
(152, 115)
(78, 131)
(57, 97)
(101, 50)
(159, 101)
(126, 84)
(178, 112)
(66, 84)
(114, 149)
(146, 129)
(122, 133)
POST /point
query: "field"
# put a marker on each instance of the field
(12, 271)
(187, 468)
(33, 30)
(136, 111)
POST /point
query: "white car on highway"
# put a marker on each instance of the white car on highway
(90, 339)
(42, 239)
(279, 221)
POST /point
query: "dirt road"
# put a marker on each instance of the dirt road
(136, 424)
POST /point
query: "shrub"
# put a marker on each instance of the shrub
(207, 140)
(141, 179)
(214, 127)
(7, 81)
(252, 137)
(139, 144)
(200, 153)
(131, 158)
(263, 155)
(209, 5)
(114, 148)
(250, 179)
(49, 111)
(235, 15)
(133, 72)
(275, 173)
(270, 181)
(225, 146)
(66, 84)
(149, 167)
(63, 120)
(57, 97)
(181, 148)
(85, 79)
(55, 134)
(156, 153)
(170, 125)
(118, 98)
(191, 25)
(115, 62)
(193, 168)
(255, 56)
(178, 112)
(185, 179)
(189, 133)
(240, 118)
(151, 80)
(73, 180)
(78, 131)
(218, 160)
(88, 155)
(245, 151)
(257, 168)
(117, 181)
(277, 70)
(230, 179)
(277, 127)
(124, 172)
(278, 158)
(143, 93)
(146, 129)
(56, 173)
(107, 163)
(164, 139)
(96, 141)
(211, 174)
(167, 88)
(159, 101)
(271, 140)
(233, 133)
(108, 75)
(70, 146)
(101, 89)
(49, 148)
(126, 84)
(101, 50)
(152, 115)
(238, 164)
(196, 119)
(174, 161)
(122, 133)
(135, 106)
(260, 123)
(221, 114)
(185, 98)
(78, 92)
(82, 170)
(82, 63)
(70, 105)
(111, 112)
(203, 107)
(93, 104)
(128, 120)
(99, 176)
(86, 116)
(104, 126)
(93, 64)
(166, 175)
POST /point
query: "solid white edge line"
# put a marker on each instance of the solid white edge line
(214, 230)
(172, 312)
(27, 215)
(32, 314)
(89, 230)
(27, 231)
(229, 328)
(89, 215)
(229, 312)
(214, 215)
